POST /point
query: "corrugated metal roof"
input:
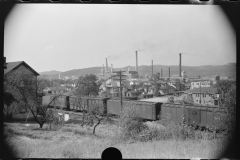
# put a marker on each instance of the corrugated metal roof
(13, 65)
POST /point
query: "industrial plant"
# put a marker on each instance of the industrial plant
(134, 86)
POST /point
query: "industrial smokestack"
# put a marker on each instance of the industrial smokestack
(136, 62)
(111, 68)
(180, 64)
(161, 72)
(169, 72)
(152, 67)
(106, 69)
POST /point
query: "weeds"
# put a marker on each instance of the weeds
(130, 124)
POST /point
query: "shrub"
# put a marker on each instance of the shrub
(130, 123)
(175, 131)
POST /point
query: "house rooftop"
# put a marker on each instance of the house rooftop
(162, 99)
(197, 80)
(204, 90)
(13, 65)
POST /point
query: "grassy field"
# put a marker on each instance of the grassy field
(75, 141)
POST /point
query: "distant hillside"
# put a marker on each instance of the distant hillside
(49, 72)
(75, 72)
(228, 70)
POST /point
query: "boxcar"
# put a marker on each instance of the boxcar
(59, 102)
(83, 103)
(47, 99)
(193, 115)
(146, 110)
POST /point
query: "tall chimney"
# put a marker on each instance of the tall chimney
(161, 73)
(152, 67)
(106, 69)
(111, 68)
(180, 64)
(136, 61)
(169, 72)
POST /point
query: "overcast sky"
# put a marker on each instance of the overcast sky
(64, 37)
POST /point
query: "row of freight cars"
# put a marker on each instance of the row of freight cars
(190, 114)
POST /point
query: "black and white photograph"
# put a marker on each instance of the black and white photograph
(152, 81)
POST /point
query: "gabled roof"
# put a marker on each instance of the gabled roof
(14, 65)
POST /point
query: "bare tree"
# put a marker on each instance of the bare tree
(95, 111)
(21, 87)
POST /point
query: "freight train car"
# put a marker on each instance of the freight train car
(76, 103)
(58, 101)
(192, 115)
(149, 109)
(82, 103)
(146, 110)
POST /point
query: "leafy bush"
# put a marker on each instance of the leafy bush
(130, 123)
(172, 130)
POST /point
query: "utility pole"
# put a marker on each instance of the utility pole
(200, 91)
(119, 73)
(152, 67)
